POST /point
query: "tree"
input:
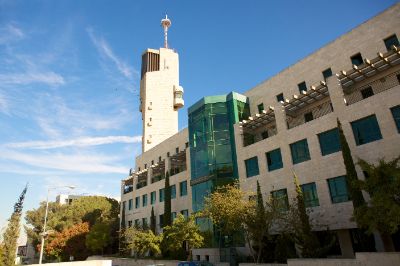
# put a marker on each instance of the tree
(382, 214)
(98, 237)
(153, 221)
(10, 236)
(183, 230)
(142, 241)
(167, 218)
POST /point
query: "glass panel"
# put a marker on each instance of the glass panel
(173, 192)
(396, 116)
(366, 130)
(274, 159)
(153, 197)
(161, 195)
(300, 151)
(282, 199)
(260, 108)
(338, 189)
(392, 40)
(310, 195)
(329, 141)
(130, 204)
(199, 191)
(137, 202)
(302, 86)
(183, 188)
(144, 200)
(327, 73)
(252, 167)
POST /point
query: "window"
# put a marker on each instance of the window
(308, 117)
(252, 167)
(390, 41)
(145, 166)
(366, 130)
(274, 159)
(367, 92)
(338, 189)
(327, 73)
(173, 192)
(161, 194)
(264, 134)
(177, 150)
(185, 213)
(396, 116)
(129, 223)
(144, 222)
(137, 223)
(300, 151)
(152, 198)
(260, 108)
(282, 199)
(310, 195)
(302, 86)
(280, 98)
(137, 202)
(130, 204)
(356, 59)
(187, 145)
(173, 215)
(329, 141)
(183, 188)
(398, 78)
(144, 200)
(159, 158)
(161, 220)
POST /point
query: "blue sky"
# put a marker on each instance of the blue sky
(69, 76)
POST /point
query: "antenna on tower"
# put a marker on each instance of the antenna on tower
(166, 23)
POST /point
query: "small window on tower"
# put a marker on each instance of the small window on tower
(302, 86)
(280, 98)
(390, 41)
(327, 73)
(367, 92)
(356, 59)
(308, 117)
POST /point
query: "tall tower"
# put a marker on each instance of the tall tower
(160, 93)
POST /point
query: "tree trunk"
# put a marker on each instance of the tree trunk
(387, 242)
(251, 248)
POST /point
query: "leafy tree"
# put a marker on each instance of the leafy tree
(167, 218)
(11, 234)
(142, 242)
(153, 221)
(183, 230)
(98, 237)
(382, 214)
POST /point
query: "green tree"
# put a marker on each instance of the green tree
(167, 218)
(142, 242)
(183, 230)
(98, 237)
(11, 233)
(382, 214)
(153, 221)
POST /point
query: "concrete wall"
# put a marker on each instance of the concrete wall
(139, 262)
(81, 263)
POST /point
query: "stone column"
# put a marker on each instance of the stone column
(346, 247)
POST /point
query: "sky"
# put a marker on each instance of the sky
(69, 76)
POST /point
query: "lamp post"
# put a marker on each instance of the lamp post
(43, 234)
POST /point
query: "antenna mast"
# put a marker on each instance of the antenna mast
(166, 23)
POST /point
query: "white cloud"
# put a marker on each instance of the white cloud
(10, 33)
(49, 78)
(104, 49)
(79, 142)
(4, 106)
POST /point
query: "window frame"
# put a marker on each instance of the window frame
(310, 202)
(294, 151)
(325, 142)
(338, 197)
(396, 116)
(370, 137)
(268, 157)
(256, 170)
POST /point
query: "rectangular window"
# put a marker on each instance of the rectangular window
(260, 108)
(137, 202)
(302, 86)
(173, 215)
(144, 222)
(308, 117)
(300, 151)
(390, 41)
(329, 141)
(173, 192)
(338, 189)
(274, 159)
(144, 200)
(398, 78)
(396, 116)
(153, 198)
(137, 223)
(130, 204)
(183, 188)
(366, 130)
(282, 199)
(357, 59)
(280, 98)
(252, 167)
(129, 223)
(367, 92)
(327, 73)
(310, 195)
(264, 134)
(185, 213)
(161, 194)
(161, 220)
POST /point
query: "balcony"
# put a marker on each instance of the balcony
(128, 185)
(158, 171)
(178, 163)
(141, 179)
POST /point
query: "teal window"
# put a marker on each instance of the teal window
(144, 200)
(310, 195)
(161, 220)
(137, 202)
(357, 59)
(252, 167)
(302, 86)
(130, 204)
(282, 199)
(396, 116)
(153, 198)
(327, 73)
(173, 192)
(329, 141)
(280, 98)
(173, 215)
(161, 194)
(260, 108)
(183, 188)
(274, 159)
(144, 222)
(338, 189)
(185, 213)
(390, 41)
(366, 130)
(300, 151)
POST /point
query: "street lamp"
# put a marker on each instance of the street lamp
(43, 234)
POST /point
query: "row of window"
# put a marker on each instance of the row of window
(182, 193)
(337, 189)
(144, 221)
(356, 59)
(365, 130)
